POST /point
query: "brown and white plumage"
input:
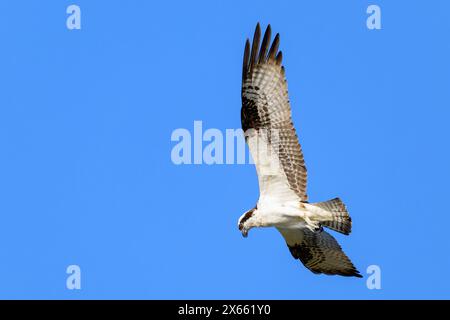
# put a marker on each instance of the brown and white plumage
(273, 142)
(265, 105)
(319, 252)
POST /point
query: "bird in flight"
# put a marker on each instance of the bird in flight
(276, 152)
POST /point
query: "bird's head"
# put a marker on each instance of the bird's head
(245, 222)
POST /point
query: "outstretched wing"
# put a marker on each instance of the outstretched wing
(266, 120)
(319, 252)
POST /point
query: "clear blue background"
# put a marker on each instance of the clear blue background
(86, 118)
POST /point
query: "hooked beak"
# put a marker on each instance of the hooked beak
(243, 230)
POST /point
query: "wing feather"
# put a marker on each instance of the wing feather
(266, 110)
(255, 46)
(319, 252)
(265, 46)
(274, 48)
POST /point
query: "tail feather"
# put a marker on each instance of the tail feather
(341, 221)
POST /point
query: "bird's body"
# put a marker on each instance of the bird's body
(271, 212)
(273, 143)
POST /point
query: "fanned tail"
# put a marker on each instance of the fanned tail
(341, 221)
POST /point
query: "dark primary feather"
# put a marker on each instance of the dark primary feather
(274, 48)
(279, 58)
(246, 57)
(255, 46)
(265, 105)
(264, 45)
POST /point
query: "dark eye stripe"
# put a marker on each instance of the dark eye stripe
(246, 217)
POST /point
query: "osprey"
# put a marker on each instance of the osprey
(273, 143)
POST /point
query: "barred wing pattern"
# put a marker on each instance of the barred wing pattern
(319, 252)
(265, 111)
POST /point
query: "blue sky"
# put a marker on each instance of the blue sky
(86, 176)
